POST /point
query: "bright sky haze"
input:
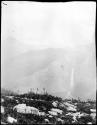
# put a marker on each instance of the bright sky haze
(34, 32)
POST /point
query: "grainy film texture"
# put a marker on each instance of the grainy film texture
(48, 62)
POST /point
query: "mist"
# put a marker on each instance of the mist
(42, 43)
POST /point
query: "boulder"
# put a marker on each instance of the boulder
(50, 116)
(2, 100)
(54, 104)
(71, 109)
(46, 120)
(11, 120)
(2, 109)
(93, 115)
(93, 110)
(52, 113)
(57, 110)
(60, 120)
(41, 114)
(10, 97)
(89, 123)
(22, 108)
(69, 105)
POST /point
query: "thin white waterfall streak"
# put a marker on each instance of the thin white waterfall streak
(72, 79)
(71, 83)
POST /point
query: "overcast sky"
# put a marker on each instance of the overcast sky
(30, 26)
(41, 25)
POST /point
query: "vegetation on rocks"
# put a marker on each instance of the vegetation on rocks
(50, 109)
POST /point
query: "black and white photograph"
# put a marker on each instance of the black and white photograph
(48, 62)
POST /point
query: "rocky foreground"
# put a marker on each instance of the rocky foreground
(34, 108)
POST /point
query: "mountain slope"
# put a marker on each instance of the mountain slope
(51, 69)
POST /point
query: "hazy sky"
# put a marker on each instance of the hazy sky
(41, 25)
(28, 26)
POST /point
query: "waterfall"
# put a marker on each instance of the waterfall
(71, 83)
(72, 79)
